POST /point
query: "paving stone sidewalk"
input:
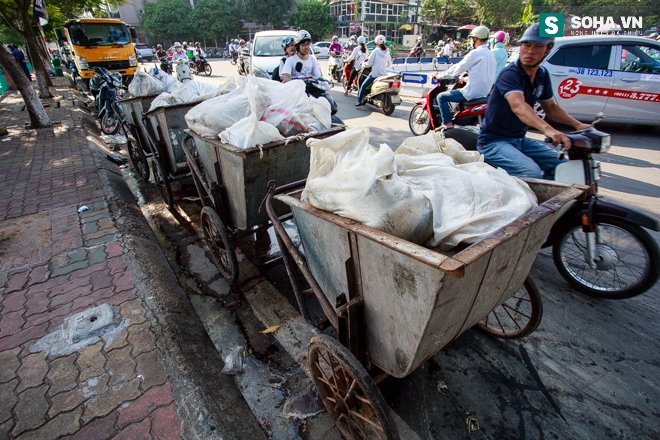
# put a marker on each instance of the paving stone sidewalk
(55, 262)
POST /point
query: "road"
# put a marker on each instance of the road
(590, 371)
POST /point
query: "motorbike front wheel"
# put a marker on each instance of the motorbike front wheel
(388, 107)
(207, 69)
(629, 259)
(110, 123)
(419, 120)
(347, 87)
(233, 62)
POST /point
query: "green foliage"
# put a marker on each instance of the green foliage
(167, 20)
(215, 19)
(440, 11)
(498, 14)
(275, 12)
(9, 35)
(313, 16)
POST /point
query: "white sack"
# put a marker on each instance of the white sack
(250, 132)
(170, 82)
(144, 84)
(315, 113)
(470, 200)
(434, 143)
(214, 115)
(349, 177)
(192, 91)
(282, 100)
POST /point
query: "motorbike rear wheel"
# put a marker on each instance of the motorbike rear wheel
(388, 107)
(630, 259)
(347, 87)
(419, 120)
(207, 69)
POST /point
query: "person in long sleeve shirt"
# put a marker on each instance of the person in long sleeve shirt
(359, 54)
(335, 45)
(480, 65)
(379, 60)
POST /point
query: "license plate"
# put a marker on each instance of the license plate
(396, 99)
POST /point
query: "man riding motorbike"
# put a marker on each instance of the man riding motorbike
(418, 49)
(198, 52)
(480, 65)
(379, 60)
(309, 66)
(510, 110)
(179, 54)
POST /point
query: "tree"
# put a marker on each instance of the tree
(438, 12)
(499, 14)
(38, 116)
(216, 19)
(167, 20)
(314, 17)
(264, 12)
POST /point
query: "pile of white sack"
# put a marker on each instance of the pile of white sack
(152, 83)
(430, 191)
(192, 91)
(259, 111)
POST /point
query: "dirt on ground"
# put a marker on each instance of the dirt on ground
(24, 235)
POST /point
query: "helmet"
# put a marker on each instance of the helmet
(198, 44)
(177, 44)
(242, 41)
(353, 37)
(419, 38)
(160, 46)
(362, 40)
(653, 35)
(185, 44)
(500, 36)
(301, 36)
(334, 37)
(380, 39)
(480, 32)
(531, 35)
(286, 42)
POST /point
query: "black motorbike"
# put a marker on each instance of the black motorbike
(166, 65)
(317, 87)
(107, 89)
(600, 247)
(203, 67)
(234, 58)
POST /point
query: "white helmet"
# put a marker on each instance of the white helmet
(301, 36)
(419, 38)
(353, 38)
(177, 44)
(380, 39)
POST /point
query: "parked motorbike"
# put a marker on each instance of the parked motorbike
(335, 65)
(383, 92)
(203, 67)
(600, 247)
(107, 89)
(425, 115)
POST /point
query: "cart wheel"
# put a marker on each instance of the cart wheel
(137, 157)
(349, 394)
(518, 317)
(219, 244)
(162, 182)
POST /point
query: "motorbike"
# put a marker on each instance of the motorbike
(204, 67)
(166, 65)
(599, 247)
(182, 70)
(243, 67)
(416, 52)
(107, 89)
(383, 92)
(317, 87)
(425, 115)
(234, 58)
(335, 65)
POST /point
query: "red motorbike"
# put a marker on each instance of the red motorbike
(425, 115)
(348, 70)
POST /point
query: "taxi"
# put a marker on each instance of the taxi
(618, 75)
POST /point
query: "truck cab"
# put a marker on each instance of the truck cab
(101, 42)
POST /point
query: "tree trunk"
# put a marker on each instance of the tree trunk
(38, 116)
(39, 69)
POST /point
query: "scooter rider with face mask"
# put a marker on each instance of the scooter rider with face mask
(480, 64)
(301, 65)
(179, 54)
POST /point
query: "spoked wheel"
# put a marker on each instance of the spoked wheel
(110, 123)
(629, 259)
(219, 244)
(388, 107)
(419, 120)
(136, 155)
(348, 392)
(207, 69)
(162, 182)
(518, 316)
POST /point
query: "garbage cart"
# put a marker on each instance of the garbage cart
(395, 304)
(137, 143)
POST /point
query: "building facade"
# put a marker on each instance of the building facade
(392, 18)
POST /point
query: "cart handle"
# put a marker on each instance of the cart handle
(284, 239)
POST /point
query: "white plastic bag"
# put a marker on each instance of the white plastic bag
(315, 113)
(250, 132)
(191, 91)
(170, 82)
(234, 362)
(144, 84)
(349, 177)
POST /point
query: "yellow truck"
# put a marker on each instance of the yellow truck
(100, 42)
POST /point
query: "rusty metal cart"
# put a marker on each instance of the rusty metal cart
(165, 134)
(136, 133)
(232, 184)
(395, 304)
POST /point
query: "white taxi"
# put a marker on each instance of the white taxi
(615, 74)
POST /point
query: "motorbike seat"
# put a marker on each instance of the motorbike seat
(466, 104)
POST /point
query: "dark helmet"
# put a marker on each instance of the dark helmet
(532, 35)
(301, 36)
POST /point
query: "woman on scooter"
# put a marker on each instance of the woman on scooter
(335, 45)
(289, 50)
(359, 55)
(379, 60)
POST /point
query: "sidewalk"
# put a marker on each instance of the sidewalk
(139, 366)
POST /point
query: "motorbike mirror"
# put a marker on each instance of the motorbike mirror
(245, 52)
(133, 32)
(298, 67)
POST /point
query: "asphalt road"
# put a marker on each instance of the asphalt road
(592, 368)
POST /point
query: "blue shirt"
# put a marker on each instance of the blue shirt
(500, 58)
(500, 122)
